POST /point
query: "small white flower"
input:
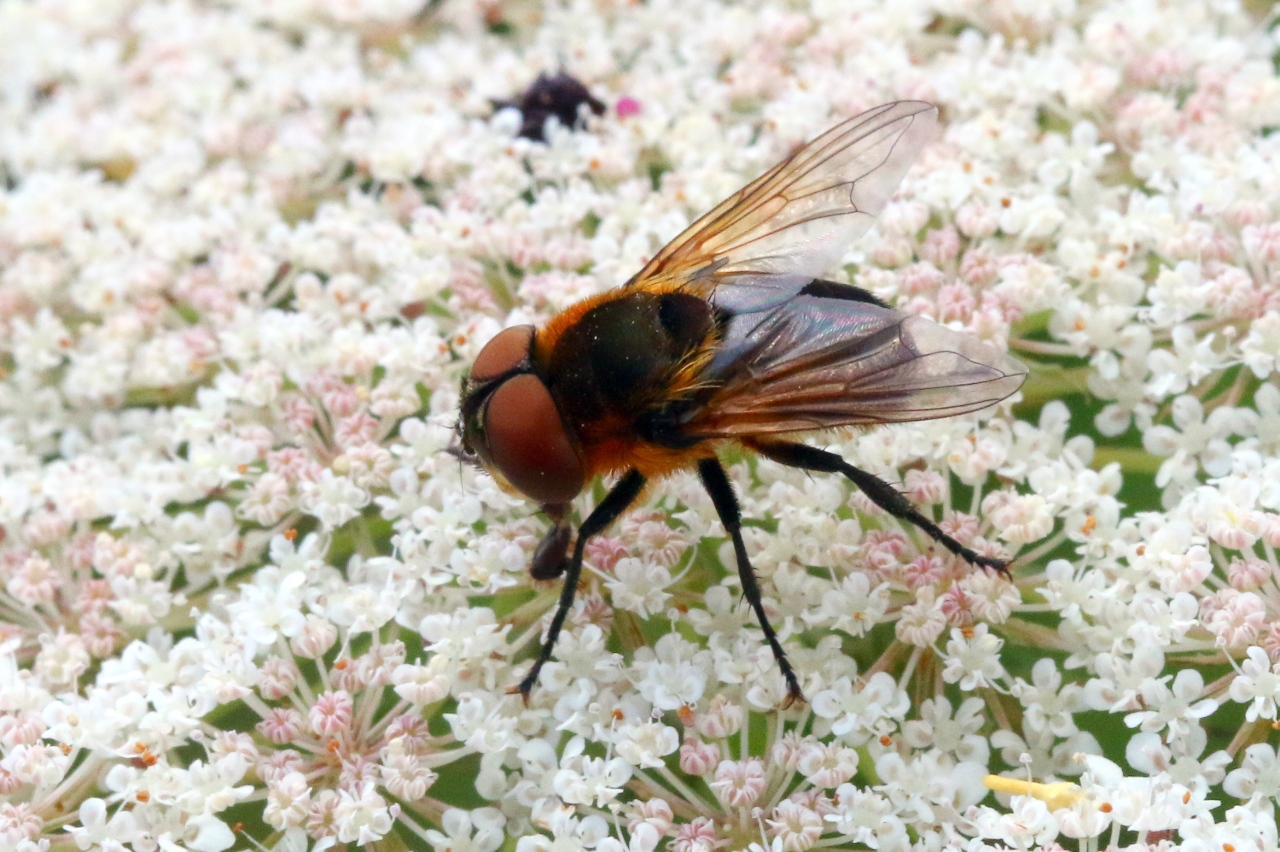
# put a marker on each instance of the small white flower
(795, 826)
(867, 818)
(332, 499)
(582, 654)
(288, 800)
(958, 736)
(1258, 683)
(211, 788)
(1179, 760)
(568, 831)
(639, 586)
(721, 613)
(405, 774)
(973, 661)
(673, 673)
(1194, 438)
(1050, 705)
(827, 765)
(646, 744)
(1191, 360)
(1120, 681)
(271, 606)
(480, 830)
(97, 831)
(584, 780)
(205, 833)
(1258, 777)
(363, 816)
(854, 607)
(1020, 519)
(922, 622)
(1029, 824)
(1174, 708)
(861, 712)
(928, 785)
(739, 784)
(1260, 348)
(420, 685)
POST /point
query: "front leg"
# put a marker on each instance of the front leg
(880, 492)
(614, 504)
(551, 556)
(720, 489)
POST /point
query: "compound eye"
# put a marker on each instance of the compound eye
(528, 442)
(507, 350)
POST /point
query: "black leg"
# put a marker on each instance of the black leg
(720, 489)
(880, 492)
(613, 505)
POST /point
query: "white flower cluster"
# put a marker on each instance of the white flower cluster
(250, 598)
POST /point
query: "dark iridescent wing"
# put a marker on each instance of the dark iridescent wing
(796, 357)
(801, 216)
(796, 354)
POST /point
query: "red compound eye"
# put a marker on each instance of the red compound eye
(507, 350)
(528, 442)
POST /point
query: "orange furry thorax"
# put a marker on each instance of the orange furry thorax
(655, 462)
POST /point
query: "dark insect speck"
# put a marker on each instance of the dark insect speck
(559, 95)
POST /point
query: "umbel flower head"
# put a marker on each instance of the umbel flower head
(249, 598)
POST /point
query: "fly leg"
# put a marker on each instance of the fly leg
(877, 490)
(614, 504)
(720, 489)
(551, 556)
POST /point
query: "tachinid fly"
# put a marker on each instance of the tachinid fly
(727, 336)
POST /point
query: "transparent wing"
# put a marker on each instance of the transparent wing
(795, 362)
(801, 216)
